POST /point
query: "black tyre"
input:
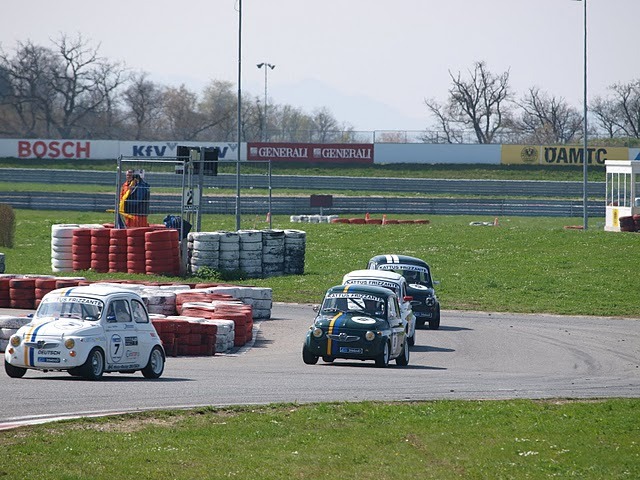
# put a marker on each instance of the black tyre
(155, 366)
(382, 360)
(13, 371)
(93, 368)
(434, 323)
(308, 357)
(412, 339)
(403, 359)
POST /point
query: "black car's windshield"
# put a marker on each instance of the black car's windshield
(365, 304)
(71, 307)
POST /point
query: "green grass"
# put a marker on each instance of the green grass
(525, 265)
(370, 440)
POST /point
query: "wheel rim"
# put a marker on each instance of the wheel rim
(156, 361)
(96, 363)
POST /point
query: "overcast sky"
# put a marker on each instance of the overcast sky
(370, 62)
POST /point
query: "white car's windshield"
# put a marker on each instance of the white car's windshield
(71, 307)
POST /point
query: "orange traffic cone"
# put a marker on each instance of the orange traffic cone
(384, 219)
(495, 222)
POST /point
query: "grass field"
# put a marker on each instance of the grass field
(524, 265)
(426, 440)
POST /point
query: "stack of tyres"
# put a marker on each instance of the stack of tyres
(162, 252)
(250, 256)
(136, 259)
(81, 249)
(294, 251)
(100, 249)
(203, 248)
(272, 253)
(118, 250)
(229, 254)
(22, 293)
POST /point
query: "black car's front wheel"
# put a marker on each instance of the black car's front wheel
(382, 360)
(434, 323)
(308, 357)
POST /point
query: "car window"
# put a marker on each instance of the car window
(139, 313)
(120, 309)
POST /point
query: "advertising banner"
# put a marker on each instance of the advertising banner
(361, 153)
(102, 149)
(560, 154)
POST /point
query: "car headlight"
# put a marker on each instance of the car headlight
(370, 335)
(15, 340)
(69, 343)
(317, 332)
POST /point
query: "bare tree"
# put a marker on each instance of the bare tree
(443, 115)
(144, 100)
(621, 113)
(479, 102)
(546, 119)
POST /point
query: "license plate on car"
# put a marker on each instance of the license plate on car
(422, 314)
(350, 350)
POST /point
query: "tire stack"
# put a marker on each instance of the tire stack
(100, 249)
(9, 325)
(43, 286)
(636, 222)
(62, 247)
(295, 242)
(229, 253)
(627, 224)
(136, 259)
(117, 250)
(258, 298)
(5, 299)
(203, 250)
(183, 336)
(162, 252)
(81, 249)
(2, 265)
(250, 256)
(272, 253)
(22, 292)
(159, 302)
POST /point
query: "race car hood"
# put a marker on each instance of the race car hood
(59, 327)
(355, 321)
(419, 291)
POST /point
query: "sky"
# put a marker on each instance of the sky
(372, 63)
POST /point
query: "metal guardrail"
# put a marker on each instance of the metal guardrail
(423, 186)
(165, 204)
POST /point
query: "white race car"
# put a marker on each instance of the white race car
(87, 331)
(391, 281)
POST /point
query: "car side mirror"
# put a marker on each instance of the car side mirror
(436, 282)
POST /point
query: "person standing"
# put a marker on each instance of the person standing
(134, 200)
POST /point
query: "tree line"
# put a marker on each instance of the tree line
(67, 90)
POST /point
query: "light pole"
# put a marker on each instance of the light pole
(266, 66)
(239, 113)
(585, 147)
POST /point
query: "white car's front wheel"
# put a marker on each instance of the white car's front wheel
(93, 368)
(13, 371)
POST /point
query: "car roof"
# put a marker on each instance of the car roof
(97, 291)
(362, 289)
(398, 259)
(374, 274)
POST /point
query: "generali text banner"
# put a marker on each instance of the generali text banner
(102, 149)
(560, 155)
(311, 152)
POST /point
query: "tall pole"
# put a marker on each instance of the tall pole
(239, 113)
(266, 66)
(585, 156)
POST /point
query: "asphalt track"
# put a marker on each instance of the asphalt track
(474, 355)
